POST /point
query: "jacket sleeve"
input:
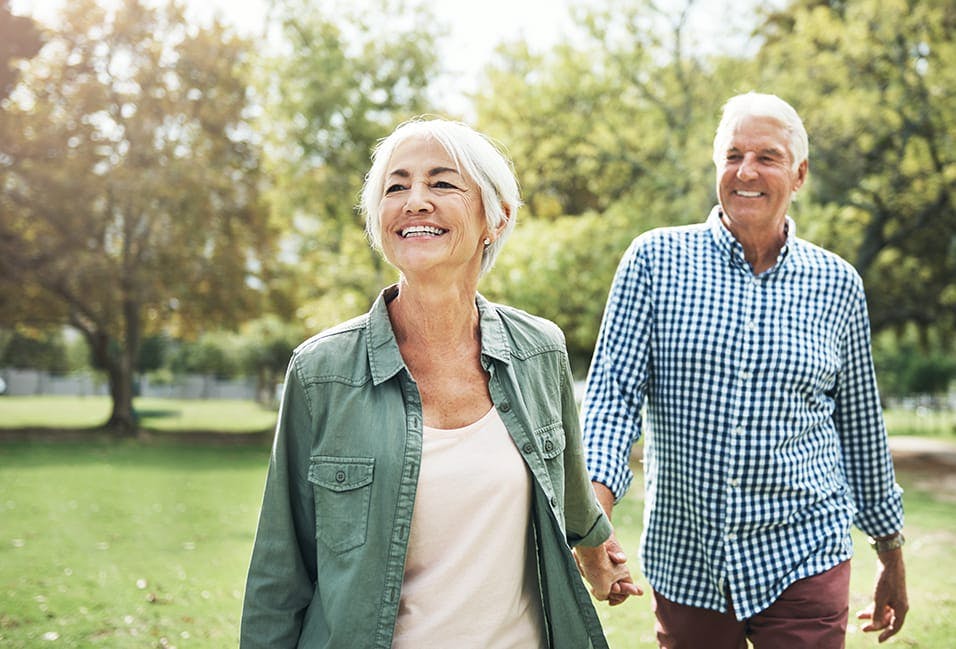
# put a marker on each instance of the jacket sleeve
(281, 580)
(585, 519)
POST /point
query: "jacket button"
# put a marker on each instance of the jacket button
(554, 501)
(549, 446)
(340, 476)
(527, 448)
(504, 407)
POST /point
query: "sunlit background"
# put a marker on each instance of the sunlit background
(178, 212)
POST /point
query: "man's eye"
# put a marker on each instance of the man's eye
(391, 189)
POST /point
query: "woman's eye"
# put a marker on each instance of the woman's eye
(394, 188)
(444, 184)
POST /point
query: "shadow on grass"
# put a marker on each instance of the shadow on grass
(163, 452)
(156, 413)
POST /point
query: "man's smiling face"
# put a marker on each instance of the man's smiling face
(756, 180)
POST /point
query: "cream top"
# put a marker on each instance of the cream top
(470, 573)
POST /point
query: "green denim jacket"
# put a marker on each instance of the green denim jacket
(328, 561)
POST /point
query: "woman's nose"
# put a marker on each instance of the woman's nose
(418, 198)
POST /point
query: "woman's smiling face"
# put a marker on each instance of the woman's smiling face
(432, 217)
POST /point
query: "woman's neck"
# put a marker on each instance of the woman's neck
(434, 314)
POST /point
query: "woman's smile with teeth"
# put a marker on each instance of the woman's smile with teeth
(741, 192)
(421, 231)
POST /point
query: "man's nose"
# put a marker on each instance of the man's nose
(748, 168)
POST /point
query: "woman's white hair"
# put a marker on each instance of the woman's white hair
(474, 153)
(755, 104)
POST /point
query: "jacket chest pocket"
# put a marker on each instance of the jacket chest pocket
(343, 488)
(550, 440)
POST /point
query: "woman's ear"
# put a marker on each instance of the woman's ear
(506, 210)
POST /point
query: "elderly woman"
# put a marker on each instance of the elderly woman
(427, 481)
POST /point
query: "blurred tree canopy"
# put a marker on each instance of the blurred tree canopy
(163, 179)
(617, 123)
(130, 184)
(875, 83)
(19, 39)
(345, 78)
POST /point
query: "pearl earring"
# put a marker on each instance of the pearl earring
(487, 242)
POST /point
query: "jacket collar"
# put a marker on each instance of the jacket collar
(385, 360)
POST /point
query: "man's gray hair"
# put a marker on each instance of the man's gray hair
(755, 104)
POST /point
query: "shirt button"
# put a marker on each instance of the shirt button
(527, 448)
(731, 536)
(745, 376)
(751, 326)
(734, 482)
(340, 476)
(739, 430)
(549, 446)
(504, 407)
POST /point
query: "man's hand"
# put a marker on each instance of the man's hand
(606, 571)
(889, 598)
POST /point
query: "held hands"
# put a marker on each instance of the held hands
(890, 604)
(606, 571)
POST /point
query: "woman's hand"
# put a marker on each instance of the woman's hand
(605, 569)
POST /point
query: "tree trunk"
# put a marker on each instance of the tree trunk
(122, 421)
(119, 370)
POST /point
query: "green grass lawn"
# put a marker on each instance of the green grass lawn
(130, 544)
(171, 415)
(123, 544)
(168, 415)
(922, 423)
(107, 544)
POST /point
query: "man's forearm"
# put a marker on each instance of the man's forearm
(604, 496)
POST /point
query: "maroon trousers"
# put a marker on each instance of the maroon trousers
(810, 614)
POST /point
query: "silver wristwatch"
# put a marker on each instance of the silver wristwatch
(888, 543)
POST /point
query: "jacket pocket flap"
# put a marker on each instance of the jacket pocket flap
(551, 440)
(341, 473)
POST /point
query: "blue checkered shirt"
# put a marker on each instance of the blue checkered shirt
(764, 437)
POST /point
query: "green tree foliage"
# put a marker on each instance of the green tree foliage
(24, 348)
(622, 112)
(562, 270)
(610, 133)
(346, 78)
(875, 83)
(266, 348)
(620, 119)
(130, 199)
(912, 363)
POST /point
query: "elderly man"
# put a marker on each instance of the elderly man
(764, 437)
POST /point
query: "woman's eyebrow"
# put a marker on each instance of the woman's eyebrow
(435, 171)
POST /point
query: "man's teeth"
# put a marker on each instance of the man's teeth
(421, 231)
(748, 194)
